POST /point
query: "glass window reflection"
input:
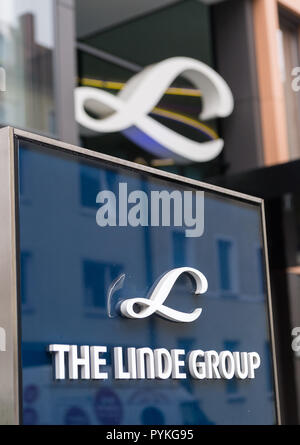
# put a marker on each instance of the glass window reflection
(26, 53)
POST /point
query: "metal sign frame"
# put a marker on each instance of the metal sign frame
(10, 363)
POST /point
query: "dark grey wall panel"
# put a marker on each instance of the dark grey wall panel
(88, 19)
(235, 61)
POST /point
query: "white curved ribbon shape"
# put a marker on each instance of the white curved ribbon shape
(155, 303)
(128, 111)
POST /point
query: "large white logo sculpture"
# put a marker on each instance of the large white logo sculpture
(128, 110)
(155, 303)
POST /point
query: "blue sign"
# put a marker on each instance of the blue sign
(143, 298)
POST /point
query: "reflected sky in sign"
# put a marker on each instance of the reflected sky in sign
(74, 273)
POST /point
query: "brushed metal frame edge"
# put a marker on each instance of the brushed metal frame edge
(69, 147)
(9, 360)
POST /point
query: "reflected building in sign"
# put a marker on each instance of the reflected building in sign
(68, 264)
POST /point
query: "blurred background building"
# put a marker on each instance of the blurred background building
(49, 48)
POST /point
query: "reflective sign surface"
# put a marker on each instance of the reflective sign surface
(79, 260)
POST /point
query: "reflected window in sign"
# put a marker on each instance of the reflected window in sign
(26, 259)
(225, 251)
(76, 280)
(97, 278)
(89, 186)
(232, 385)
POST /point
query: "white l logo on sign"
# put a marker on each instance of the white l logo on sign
(154, 304)
(128, 111)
